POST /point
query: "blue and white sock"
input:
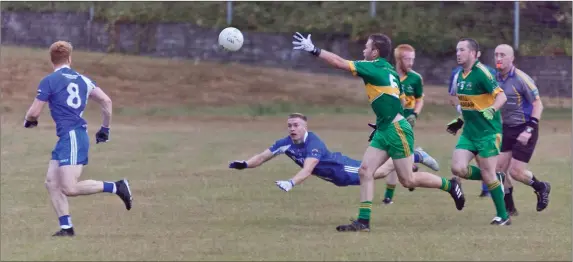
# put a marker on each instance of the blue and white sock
(109, 187)
(65, 222)
(417, 157)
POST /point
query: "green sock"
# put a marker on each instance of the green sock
(446, 185)
(364, 211)
(389, 191)
(498, 198)
(474, 173)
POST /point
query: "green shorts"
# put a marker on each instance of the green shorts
(486, 146)
(397, 140)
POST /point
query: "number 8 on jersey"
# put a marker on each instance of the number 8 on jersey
(67, 93)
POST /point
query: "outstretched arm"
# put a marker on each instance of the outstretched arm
(259, 159)
(334, 60)
(254, 161)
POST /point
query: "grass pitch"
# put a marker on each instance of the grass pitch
(174, 147)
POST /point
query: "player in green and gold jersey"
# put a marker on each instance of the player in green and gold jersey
(480, 98)
(412, 82)
(394, 137)
(412, 94)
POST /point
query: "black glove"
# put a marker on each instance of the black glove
(373, 131)
(30, 124)
(454, 126)
(102, 135)
(238, 165)
(412, 119)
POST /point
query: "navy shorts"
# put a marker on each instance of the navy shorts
(509, 143)
(341, 176)
(72, 148)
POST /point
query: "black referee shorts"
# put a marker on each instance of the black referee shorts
(519, 151)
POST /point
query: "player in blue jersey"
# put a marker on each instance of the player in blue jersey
(308, 151)
(457, 124)
(67, 92)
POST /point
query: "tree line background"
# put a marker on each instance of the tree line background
(432, 27)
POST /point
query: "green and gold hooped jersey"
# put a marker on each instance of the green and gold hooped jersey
(382, 85)
(413, 87)
(476, 91)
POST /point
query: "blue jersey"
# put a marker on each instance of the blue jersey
(332, 166)
(454, 78)
(67, 93)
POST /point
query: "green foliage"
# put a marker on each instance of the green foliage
(432, 27)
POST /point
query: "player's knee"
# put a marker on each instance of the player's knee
(502, 166)
(459, 169)
(51, 184)
(408, 182)
(69, 190)
(364, 171)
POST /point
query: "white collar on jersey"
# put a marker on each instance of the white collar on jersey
(305, 136)
(64, 66)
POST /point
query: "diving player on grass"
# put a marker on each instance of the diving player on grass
(67, 92)
(308, 151)
(394, 137)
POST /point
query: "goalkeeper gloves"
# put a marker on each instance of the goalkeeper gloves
(488, 113)
(454, 126)
(238, 165)
(30, 124)
(102, 135)
(305, 44)
(285, 185)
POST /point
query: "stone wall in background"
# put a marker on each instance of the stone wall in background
(187, 41)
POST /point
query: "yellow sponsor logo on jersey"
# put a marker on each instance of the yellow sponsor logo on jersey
(477, 102)
(374, 92)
